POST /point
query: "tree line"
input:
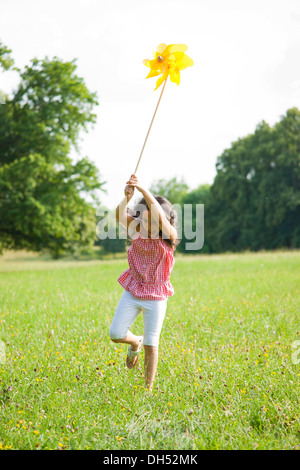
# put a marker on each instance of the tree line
(252, 204)
(254, 201)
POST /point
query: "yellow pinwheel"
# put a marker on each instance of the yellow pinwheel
(168, 60)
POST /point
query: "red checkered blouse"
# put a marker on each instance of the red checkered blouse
(150, 264)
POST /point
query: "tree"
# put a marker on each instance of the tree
(172, 189)
(194, 197)
(6, 60)
(255, 197)
(42, 190)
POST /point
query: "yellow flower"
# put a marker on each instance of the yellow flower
(168, 60)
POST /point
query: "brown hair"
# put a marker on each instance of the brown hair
(168, 210)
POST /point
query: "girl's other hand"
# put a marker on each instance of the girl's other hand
(129, 190)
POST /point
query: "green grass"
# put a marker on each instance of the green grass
(226, 378)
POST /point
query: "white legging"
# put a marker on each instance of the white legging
(128, 309)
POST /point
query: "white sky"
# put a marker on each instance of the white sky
(246, 68)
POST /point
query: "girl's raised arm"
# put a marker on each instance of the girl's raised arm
(121, 211)
(156, 210)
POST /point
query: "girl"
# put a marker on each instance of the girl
(147, 280)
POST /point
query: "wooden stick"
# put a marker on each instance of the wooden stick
(150, 127)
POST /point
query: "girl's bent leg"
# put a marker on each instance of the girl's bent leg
(125, 314)
(151, 359)
(130, 338)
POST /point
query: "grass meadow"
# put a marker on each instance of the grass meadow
(227, 376)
